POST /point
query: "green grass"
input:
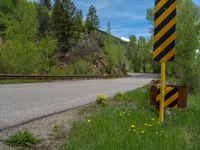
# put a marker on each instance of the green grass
(22, 138)
(22, 81)
(133, 124)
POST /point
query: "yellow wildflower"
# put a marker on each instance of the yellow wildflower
(132, 126)
(88, 120)
(142, 131)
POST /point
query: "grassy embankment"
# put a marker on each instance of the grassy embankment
(130, 123)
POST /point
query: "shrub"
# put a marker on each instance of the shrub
(22, 138)
(82, 67)
(101, 99)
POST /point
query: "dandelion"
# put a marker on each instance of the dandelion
(132, 126)
(142, 131)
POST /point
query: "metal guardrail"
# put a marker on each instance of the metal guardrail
(44, 77)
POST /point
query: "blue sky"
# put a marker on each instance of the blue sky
(127, 17)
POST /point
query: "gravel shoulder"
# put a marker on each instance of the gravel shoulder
(44, 128)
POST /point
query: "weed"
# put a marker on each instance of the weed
(58, 132)
(101, 99)
(22, 138)
(118, 97)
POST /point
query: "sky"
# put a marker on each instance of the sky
(127, 17)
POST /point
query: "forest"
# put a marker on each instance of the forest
(54, 39)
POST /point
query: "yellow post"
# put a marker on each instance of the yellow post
(162, 90)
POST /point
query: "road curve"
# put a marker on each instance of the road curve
(20, 103)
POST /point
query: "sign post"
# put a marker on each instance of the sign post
(162, 90)
(164, 41)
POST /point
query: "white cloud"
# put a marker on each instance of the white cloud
(125, 39)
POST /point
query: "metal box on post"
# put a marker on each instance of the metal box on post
(175, 95)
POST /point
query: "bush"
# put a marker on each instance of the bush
(22, 138)
(101, 99)
(82, 67)
(62, 71)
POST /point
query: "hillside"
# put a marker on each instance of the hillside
(38, 38)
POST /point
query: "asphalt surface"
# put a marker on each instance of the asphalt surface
(21, 103)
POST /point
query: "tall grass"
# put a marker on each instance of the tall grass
(133, 125)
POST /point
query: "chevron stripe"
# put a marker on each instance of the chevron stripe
(164, 45)
(171, 97)
(165, 14)
(164, 30)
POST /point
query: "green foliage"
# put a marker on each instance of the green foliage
(35, 39)
(139, 54)
(44, 24)
(185, 66)
(92, 20)
(118, 97)
(82, 67)
(23, 138)
(115, 56)
(46, 3)
(45, 50)
(20, 54)
(55, 70)
(77, 67)
(132, 125)
(59, 26)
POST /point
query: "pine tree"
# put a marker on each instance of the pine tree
(78, 24)
(60, 26)
(92, 20)
(108, 30)
(69, 8)
(46, 3)
(43, 20)
(70, 12)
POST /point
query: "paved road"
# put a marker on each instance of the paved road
(20, 103)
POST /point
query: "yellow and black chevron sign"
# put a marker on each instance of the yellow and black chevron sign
(171, 97)
(164, 30)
